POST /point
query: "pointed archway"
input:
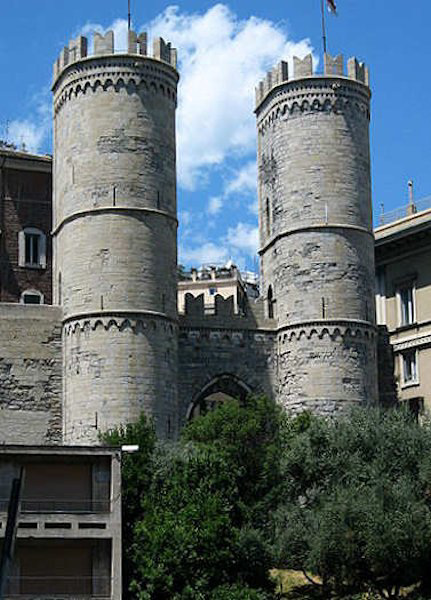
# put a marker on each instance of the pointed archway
(218, 390)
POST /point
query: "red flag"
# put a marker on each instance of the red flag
(332, 6)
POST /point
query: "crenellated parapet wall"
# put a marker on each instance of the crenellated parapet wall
(77, 49)
(303, 68)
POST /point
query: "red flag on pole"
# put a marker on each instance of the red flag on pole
(332, 7)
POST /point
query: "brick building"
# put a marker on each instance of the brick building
(25, 226)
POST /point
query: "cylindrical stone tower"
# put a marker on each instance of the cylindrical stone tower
(115, 234)
(316, 239)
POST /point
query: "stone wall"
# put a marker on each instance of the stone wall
(30, 374)
(230, 354)
(116, 368)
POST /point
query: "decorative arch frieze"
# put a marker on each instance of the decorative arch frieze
(332, 331)
(116, 81)
(137, 325)
(325, 101)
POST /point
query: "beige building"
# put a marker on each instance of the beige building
(210, 283)
(69, 530)
(403, 300)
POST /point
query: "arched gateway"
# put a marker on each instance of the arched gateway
(218, 390)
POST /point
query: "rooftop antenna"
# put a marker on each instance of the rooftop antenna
(129, 20)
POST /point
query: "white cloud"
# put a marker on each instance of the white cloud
(240, 244)
(119, 27)
(207, 253)
(243, 181)
(244, 237)
(34, 132)
(222, 58)
(214, 205)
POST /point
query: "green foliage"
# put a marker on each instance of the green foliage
(196, 513)
(136, 473)
(355, 503)
(249, 439)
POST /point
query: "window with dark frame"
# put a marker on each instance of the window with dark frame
(410, 370)
(407, 308)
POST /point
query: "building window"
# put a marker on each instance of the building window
(409, 368)
(31, 297)
(407, 306)
(32, 248)
(380, 297)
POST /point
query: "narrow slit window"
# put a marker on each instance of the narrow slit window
(271, 302)
(268, 217)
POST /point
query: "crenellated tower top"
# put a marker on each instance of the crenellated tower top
(104, 44)
(303, 68)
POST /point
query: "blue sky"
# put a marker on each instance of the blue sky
(224, 49)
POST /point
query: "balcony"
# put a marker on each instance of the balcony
(58, 588)
(48, 505)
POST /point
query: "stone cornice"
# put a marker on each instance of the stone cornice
(314, 227)
(417, 342)
(225, 334)
(113, 209)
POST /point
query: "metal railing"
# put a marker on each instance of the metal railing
(404, 211)
(50, 587)
(49, 505)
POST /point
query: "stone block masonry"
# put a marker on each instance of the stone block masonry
(30, 374)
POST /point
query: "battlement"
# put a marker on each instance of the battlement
(104, 45)
(333, 67)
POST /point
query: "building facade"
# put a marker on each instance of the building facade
(403, 300)
(69, 528)
(25, 227)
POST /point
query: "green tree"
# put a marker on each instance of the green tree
(196, 512)
(355, 502)
(136, 477)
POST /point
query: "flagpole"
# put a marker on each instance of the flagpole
(322, 6)
(129, 18)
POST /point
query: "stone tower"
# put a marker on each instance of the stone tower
(115, 237)
(316, 240)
